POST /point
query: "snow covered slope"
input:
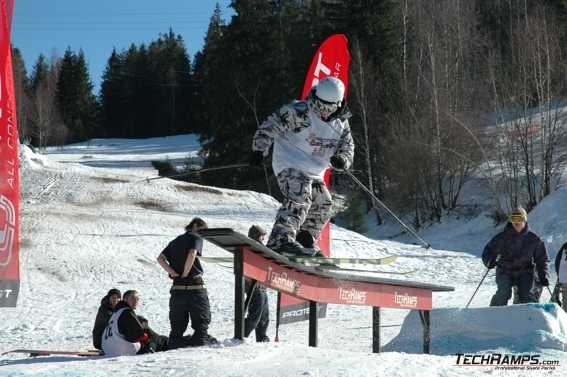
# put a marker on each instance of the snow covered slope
(87, 229)
(129, 153)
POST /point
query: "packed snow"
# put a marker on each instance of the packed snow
(91, 222)
(478, 329)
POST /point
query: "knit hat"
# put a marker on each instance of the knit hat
(518, 215)
(256, 232)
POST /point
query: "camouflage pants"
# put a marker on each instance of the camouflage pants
(306, 206)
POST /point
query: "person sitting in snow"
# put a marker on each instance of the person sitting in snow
(105, 310)
(126, 334)
(514, 252)
(258, 317)
(307, 137)
(561, 269)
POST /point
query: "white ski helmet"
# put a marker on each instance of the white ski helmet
(326, 97)
(330, 89)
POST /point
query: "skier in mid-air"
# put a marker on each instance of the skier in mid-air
(307, 137)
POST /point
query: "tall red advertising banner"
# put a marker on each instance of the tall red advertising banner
(9, 168)
(331, 59)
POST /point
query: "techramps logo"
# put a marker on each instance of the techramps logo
(7, 230)
(510, 362)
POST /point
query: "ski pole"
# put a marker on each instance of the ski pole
(234, 166)
(249, 295)
(550, 294)
(278, 314)
(376, 200)
(555, 294)
(476, 290)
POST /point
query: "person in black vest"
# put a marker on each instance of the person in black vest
(105, 310)
(189, 298)
(515, 252)
(258, 317)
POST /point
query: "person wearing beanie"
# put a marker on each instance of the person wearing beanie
(517, 253)
(105, 310)
(258, 317)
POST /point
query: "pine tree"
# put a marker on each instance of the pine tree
(40, 72)
(112, 96)
(22, 89)
(45, 124)
(251, 75)
(75, 99)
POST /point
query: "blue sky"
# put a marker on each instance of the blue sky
(96, 26)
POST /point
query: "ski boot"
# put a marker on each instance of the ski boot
(293, 249)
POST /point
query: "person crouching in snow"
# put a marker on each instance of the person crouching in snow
(105, 310)
(514, 252)
(307, 137)
(125, 334)
(561, 269)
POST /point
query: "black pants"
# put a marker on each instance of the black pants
(258, 316)
(505, 280)
(156, 343)
(192, 304)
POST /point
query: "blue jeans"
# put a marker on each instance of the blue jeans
(258, 316)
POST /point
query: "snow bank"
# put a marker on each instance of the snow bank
(548, 220)
(520, 328)
(30, 159)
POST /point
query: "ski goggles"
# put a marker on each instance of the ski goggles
(517, 219)
(323, 107)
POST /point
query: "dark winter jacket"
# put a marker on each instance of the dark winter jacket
(518, 252)
(559, 256)
(128, 324)
(102, 317)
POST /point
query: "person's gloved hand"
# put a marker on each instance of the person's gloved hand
(256, 158)
(144, 338)
(544, 281)
(338, 162)
(490, 264)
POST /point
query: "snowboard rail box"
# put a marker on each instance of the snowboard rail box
(255, 261)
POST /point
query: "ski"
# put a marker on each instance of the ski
(318, 260)
(340, 269)
(342, 260)
(34, 353)
(217, 259)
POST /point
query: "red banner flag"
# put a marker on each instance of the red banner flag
(331, 59)
(9, 166)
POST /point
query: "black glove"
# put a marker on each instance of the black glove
(490, 264)
(256, 158)
(544, 281)
(338, 162)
